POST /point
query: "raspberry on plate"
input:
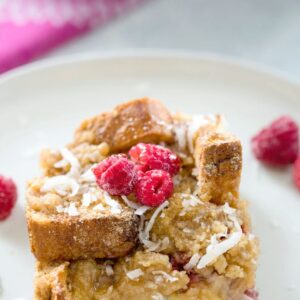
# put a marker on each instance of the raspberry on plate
(116, 175)
(8, 197)
(154, 157)
(154, 187)
(277, 144)
(252, 294)
(296, 173)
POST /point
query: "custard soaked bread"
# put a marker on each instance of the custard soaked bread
(68, 216)
(170, 193)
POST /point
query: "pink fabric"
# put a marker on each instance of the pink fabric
(30, 28)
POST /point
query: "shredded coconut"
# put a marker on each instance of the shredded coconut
(231, 212)
(191, 201)
(98, 207)
(114, 205)
(72, 160)
(153, 217)
(180, 131)
(158, 296)
(134, 274)
(61, 184)
(86, 199)
(89, 175)
(141, 210)
(60, 164)
(131, 204)
(164, 243)
(60, 209)
(165, 275)
(109, 270)
(215, 249)
(72, 210)
(192, 262)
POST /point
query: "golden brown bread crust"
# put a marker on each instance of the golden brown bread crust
(218, 157)
(142, 120)
(62, 237)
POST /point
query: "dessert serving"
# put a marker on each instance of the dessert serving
(143, 204)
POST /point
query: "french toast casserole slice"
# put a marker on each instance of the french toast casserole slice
(195, 245)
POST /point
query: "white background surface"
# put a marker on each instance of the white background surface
(262, 31)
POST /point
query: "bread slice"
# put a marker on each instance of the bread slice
(218, 158)
(55, 236)
(142, 120)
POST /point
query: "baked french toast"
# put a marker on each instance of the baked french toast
(172, 226)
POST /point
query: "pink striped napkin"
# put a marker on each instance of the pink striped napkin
(30, 28)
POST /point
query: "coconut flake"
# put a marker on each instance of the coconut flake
(191, 201)
(72, 210)
(165, 275)
(86, 199)
(114, 205)
(61, 164)
(60, 209)
(88, 175)
(231, 212)
(61, 184)
(151, 246)
(109, 270)
(158, 296)
(98, 207)
(141, 210)
(131, 204)
(192, 262)
(72, 160)
(153, 217)
(180, 131)
(134, 274)
(215, 249)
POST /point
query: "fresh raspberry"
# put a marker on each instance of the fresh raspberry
(154, 157)
(194, 278)
(277, 144)
(8, 196)
(251, 293)
(178, 260)
(154, 187)
(116, 175)
(296, 172)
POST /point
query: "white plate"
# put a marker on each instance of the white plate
(41, 106)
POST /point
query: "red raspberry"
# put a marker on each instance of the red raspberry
(154, 187)
(178, 260)
(296, 172)
(8, 196)
(277, 144)
(116, 175)
(154, 157)
(251, 293)
(194, 278)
